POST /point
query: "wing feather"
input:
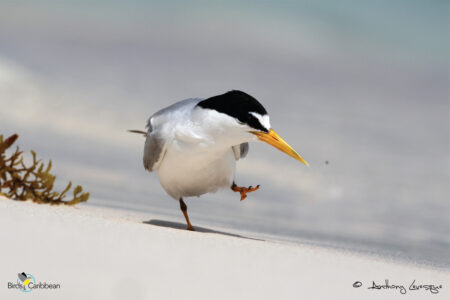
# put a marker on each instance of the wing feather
(156, 143)
(240, 151)
(154, 150)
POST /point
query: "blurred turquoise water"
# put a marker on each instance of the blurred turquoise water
(363, 85)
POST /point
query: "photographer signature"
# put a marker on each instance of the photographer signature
(434, 289)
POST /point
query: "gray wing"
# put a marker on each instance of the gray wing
(155, 144)
(240, 151)
(154, 150)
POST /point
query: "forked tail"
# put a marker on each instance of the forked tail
(138, 132)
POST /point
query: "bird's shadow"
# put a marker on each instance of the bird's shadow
(182, 226)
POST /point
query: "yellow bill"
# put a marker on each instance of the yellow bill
(272, 138)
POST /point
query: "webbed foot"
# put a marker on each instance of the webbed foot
(243, 190)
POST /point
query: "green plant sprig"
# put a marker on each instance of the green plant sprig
(34, 182)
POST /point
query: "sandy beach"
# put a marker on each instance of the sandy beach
(97, 253)
(359, 88)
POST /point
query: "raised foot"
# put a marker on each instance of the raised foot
(244, 190)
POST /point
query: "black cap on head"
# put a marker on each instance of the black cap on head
(238, 105)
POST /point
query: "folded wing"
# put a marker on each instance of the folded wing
(240, 151)
(154, 150)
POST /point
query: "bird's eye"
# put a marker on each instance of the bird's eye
(254, 122)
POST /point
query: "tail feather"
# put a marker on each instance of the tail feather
(138, 132)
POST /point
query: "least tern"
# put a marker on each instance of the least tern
(194, 144)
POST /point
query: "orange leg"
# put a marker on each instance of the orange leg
(243, 190)
(183, 207)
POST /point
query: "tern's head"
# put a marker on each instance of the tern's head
(249, 116)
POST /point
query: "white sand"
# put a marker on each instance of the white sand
(98, 253)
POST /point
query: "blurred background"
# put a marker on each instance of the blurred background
(359, 88)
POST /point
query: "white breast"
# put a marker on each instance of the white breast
(196, 171)
(198, 155)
